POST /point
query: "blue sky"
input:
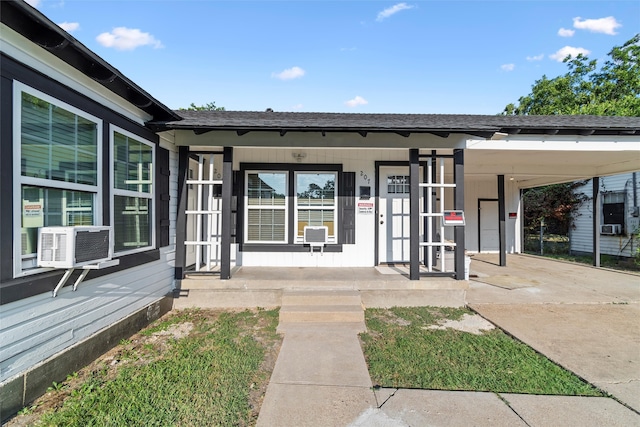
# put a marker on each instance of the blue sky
(465, 57)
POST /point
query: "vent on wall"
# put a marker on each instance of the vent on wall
(71, 247)
(610, 229)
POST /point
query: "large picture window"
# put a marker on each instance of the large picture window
(132, 192)
(56, 166)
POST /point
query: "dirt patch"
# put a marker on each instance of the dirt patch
(471, 323)
(145, 347)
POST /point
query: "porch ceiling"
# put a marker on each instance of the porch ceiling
(534, 168)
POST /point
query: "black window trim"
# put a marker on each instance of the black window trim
(290, 168)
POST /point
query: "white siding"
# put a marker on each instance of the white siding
(581, 233)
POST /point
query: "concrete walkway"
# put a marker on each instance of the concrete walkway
(321, 379)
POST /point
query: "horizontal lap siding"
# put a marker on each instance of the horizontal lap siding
(581, 233)
(36, 328)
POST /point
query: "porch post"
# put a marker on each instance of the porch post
(597, 213)
(501, 222)
(414, 214)
(458, 233)
(227, 190)
(181, 219)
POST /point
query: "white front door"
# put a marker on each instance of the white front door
(489, 224)
(393, 215)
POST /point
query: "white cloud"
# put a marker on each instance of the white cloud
(358, 100)
(392, 11)
(69, 27)
(34, 3)
(508, 67)
(298, 107)
(289, 73)
(565, 32)
(122, 38)
(606, 25)
(536, 57)
(569, 50)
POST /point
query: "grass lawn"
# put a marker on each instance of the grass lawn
(193, 367)
(402, 352)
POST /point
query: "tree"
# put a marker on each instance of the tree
(211, 106)
(612, 90)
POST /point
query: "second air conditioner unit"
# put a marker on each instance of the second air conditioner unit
(610, 229)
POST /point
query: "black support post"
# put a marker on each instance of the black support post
(181, 220)
(458, 177)
(501, 222)
(227, 192)
(597, 213)
(414, 211)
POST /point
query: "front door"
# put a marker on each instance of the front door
(489, 227)
(393, 215)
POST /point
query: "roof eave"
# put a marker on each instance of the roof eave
(33, 25)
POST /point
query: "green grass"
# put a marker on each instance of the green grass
(402, 353)
(203, 379)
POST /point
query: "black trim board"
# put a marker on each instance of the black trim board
(6, 179)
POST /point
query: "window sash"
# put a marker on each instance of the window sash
(58, 163)
(316, 202)
(132, 178)
(266, 206)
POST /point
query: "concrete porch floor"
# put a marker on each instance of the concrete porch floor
(382, 286)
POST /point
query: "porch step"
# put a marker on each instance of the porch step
(323, 297)
(321, 307)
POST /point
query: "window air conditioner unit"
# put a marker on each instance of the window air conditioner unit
(71, 247)
(610, 229)
(316, 236)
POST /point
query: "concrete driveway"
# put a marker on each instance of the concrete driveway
(585, 319)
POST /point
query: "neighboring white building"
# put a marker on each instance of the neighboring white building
(619, 220)
(81, 144)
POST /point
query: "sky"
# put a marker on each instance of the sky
(435, 57)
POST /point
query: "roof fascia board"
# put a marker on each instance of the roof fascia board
(559, 143)
(24, 51)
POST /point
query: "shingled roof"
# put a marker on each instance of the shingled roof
(440, 124)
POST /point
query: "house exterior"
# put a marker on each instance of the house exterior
(73, 142)
(82, 145)
(619, 220)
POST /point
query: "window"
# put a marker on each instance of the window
(132, 211)
(398, 184)
(613, 208)
(266, 207)
(56, 167)
(316, 202)
(278, 204)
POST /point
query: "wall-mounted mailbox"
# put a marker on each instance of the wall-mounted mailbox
(365, 192)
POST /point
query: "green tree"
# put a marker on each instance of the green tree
(611, 90)
(211, 106)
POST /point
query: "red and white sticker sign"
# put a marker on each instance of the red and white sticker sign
(453, 217)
